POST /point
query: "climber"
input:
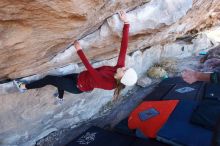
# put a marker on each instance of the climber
(105, 77)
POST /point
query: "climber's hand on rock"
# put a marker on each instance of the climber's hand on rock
(77, 45)
(123, 16)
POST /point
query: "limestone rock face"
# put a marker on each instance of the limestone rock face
(34, 33)
(144, 81)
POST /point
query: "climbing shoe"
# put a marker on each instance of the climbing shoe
(18, 85)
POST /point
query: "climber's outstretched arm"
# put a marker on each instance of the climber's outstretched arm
(85, 61)
(124, 42)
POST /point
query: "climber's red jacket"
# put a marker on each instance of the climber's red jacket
(102, 77)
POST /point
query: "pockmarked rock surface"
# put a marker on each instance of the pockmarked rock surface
(36, 40)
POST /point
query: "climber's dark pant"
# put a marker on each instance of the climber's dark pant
(63, 83)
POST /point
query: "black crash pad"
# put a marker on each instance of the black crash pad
(95, 136)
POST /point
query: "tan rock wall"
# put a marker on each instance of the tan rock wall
(33, 32)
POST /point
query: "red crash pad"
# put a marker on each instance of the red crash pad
(151, 126)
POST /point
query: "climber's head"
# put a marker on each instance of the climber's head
(127, 76)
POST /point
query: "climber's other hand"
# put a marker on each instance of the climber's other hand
(123, 16)
(77, 45)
